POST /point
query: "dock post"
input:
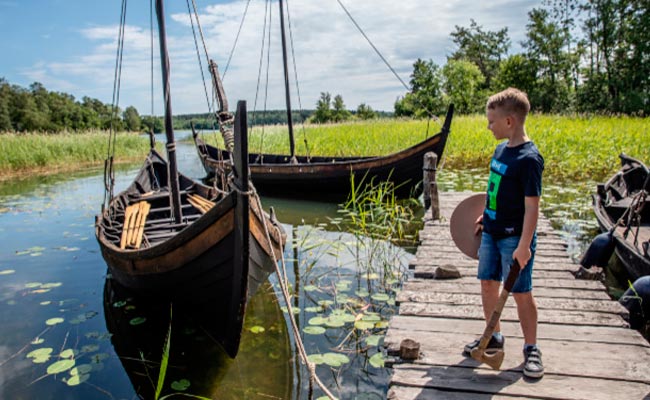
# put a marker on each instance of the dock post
(430, 188)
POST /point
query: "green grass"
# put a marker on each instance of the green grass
(25, 152)
(573, 147)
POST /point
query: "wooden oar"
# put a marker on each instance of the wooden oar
(495, 358)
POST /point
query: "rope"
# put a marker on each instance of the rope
(384, 59)
(109, 177)
(282, 279)
(198, 52)
(266, 88)
(232, 51)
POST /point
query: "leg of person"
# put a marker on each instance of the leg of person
(522, 291)
(489, 272)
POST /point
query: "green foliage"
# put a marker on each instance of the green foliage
(463, 80)
(323, 112)
(425, 98)
(483, 48)
(26, 151)
(38, 110)
(339, 113)
(132, 119)
(364, 112)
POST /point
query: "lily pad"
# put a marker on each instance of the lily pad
(137, 321)
(257, 329)
(362, 293)
(377, 360)
(335, 359)
(43, 351)
(380, 297)
(363, 325)
(51, 285)
(181, 385)
(314, 309)
(7, 271)
(317, 321)
(89, 348)
(316, 359)
(60, 366)
(98, 358)
(54, 321)
(314, 330)
(381, 324)
(373, 340)
(325, 303)
(334, 321)
(371, 317)
(77, 379)
(31, 285)
(295, 310)
(68, 353)
(37, 340)
(119, 304)
(45, 303)
(81, 369)
(310, 288)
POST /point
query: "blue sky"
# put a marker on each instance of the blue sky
(70, 46)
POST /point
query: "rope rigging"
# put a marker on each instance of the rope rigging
(109, 173)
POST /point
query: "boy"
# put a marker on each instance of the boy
(509, 221)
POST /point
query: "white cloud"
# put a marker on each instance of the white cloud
(331, 55)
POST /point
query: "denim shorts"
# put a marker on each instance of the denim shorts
(495, 257)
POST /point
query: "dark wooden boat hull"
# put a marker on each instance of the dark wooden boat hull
(330, 177)
(610, 203)
(198, 263)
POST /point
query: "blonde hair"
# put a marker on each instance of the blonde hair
(511, 101)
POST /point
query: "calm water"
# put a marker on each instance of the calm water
(66, 334)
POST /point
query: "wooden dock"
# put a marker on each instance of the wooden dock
(588, 350)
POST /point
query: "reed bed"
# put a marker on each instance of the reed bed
(25, 152)
(574, 147)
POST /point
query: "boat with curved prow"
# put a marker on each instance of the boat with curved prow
(170, 238)
(621, 206)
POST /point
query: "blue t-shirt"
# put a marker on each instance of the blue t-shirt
(515, 172)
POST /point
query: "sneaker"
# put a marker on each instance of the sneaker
(494, 344)
(533, 367)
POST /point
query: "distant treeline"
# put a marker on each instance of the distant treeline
(35, 109)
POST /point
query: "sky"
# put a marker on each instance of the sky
(71, 45)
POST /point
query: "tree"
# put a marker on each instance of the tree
(323, 112)
(516, 71)
(484, 48)
(5, 100)
(364, 112)
(339, 113)
(425, 97)
(545, 47)
(132, 119)
(462, 82)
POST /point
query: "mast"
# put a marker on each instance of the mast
(292, 143)
(175, 198)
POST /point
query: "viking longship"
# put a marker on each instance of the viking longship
(168, 237)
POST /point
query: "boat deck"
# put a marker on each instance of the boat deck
(588, 350)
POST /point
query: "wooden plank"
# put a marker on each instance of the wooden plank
(550, 283)
(471, 263)
(569, 333)
(595, 360)
(429, 273)
(510, 314)
(543, 303)
(513, 384)
(446, 247)
(416, 393)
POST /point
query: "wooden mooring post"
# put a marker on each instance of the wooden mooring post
(430, 187)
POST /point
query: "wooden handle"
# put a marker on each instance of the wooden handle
(503, 297)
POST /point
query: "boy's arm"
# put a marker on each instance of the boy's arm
(522, 253)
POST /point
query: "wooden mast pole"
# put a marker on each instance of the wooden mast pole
(175, 198)
(292, 143)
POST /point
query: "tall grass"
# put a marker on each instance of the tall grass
(574, 147)
(19, 152)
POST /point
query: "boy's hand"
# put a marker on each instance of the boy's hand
(522, 254)
(479, 225)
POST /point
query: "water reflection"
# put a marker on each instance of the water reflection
(197, 365)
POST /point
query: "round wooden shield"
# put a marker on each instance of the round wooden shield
(463, 224)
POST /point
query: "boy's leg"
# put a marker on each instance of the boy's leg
(489, 298)
(527, 311)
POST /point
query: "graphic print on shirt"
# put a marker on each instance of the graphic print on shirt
(497, 171)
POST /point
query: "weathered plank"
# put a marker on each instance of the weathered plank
(416, 393)
(469, 327)
(597, 360)
(429, 272)
(543, 303)
(452, 286)
(418, 261)
(549, 283)
(510, 314)
(513, 384)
